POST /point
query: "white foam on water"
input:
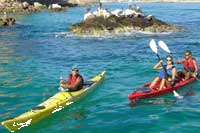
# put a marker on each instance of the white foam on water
(154, 117)
(154, 33)
(109, 35)
(63, 34)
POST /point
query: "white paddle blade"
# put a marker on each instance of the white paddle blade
(177, 95)
(164, 46)
(61, 89)
(153, 46)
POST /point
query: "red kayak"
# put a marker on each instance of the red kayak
(145, 92)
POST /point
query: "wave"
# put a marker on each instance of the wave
(62, 34)
(154, 33)
(110, 35)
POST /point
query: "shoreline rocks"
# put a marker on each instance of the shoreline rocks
(10, 6)
(114, 24)
(17, 7)
(82, 2)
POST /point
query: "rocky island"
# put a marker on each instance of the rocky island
(104, 21)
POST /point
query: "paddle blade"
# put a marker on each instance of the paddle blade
(153, 46)
(177, 95)
(63, 89)
(164, 46)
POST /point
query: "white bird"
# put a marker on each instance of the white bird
(117, 12)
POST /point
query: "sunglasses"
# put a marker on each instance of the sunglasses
(168, 59)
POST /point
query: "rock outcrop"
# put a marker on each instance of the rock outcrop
(82, 2)
(7, 21)
(39, 6)
(114, 24)
(56, 8)
(18, 7)
(29, 6)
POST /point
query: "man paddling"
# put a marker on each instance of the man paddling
(190, 68)
(74, 81)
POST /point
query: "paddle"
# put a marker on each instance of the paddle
(61, 88)
(164, 47)
(154, 48)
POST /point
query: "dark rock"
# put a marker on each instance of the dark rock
(57, 9)
(10, 21)
(7, 22)
(1, 22)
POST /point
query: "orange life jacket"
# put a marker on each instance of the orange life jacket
(188, 64)
(72, 80)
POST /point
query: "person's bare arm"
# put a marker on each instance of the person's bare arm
(158, 65)
(196, 68)
(179, 61)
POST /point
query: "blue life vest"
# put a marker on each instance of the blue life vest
(169, 72)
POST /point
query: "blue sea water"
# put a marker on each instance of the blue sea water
(39, 49)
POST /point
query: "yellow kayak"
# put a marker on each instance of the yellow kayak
(52, 105)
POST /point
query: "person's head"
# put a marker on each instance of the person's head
(169, 60)
(74, 70)
(188, 54)
(88, 10)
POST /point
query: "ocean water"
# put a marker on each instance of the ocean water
(39, 49)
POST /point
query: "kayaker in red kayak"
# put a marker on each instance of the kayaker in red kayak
(74, 81)
(168, 78)
(190, 68)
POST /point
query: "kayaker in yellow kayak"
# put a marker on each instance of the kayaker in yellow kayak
(190, 68)
(74, 81)
(166, 79)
